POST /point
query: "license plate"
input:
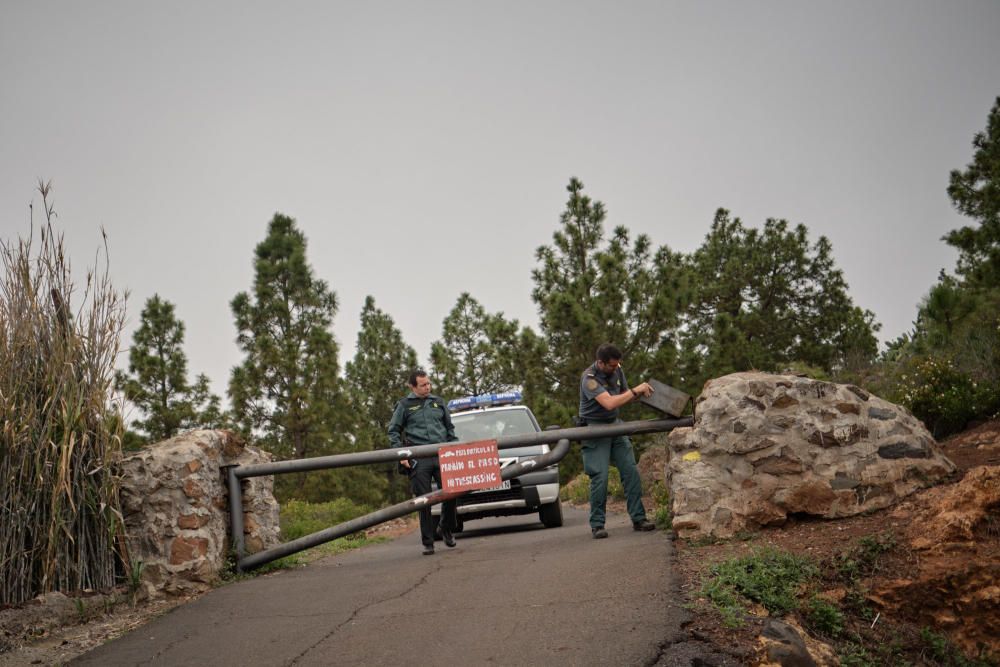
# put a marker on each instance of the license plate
(504, 485)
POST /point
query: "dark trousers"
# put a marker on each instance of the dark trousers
(420, 483)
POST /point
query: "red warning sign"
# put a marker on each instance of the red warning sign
(469, 466)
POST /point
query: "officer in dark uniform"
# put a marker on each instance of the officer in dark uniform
(421, 418)
(603, 390)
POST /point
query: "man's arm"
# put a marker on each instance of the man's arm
(610, 401)
(396, 426)
(449, 426)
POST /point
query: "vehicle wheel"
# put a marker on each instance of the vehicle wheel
(551, 515)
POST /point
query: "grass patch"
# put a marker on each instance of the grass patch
(577, 490)
(824, 617)
(662, 515)
(767, 576)
(863, 560)
(299, 518)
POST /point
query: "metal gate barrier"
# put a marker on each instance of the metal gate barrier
(560, 436)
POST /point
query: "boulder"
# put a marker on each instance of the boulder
(175, 503)
(766, 446)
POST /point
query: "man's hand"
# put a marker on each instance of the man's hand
(405, 463)
(643, 389)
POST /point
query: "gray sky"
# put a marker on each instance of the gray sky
(424, 147)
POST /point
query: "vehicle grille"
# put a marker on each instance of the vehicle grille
(513, 493)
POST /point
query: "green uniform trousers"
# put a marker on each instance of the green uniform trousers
(597, 455)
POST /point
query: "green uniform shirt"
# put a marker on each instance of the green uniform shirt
(593, 383)
(421, 421)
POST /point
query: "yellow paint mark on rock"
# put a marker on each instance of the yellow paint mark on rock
(692, 456)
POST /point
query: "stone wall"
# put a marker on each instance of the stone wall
(765, 446)
(175, 503)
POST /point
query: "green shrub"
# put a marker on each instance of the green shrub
(660, 496)
(863, 559)
(824, 617)
(767, 576)
(300, 518)
(577, 490)
(855, 655)
(939, 394)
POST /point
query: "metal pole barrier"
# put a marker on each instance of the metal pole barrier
(235, 513)
(388, 455)
(394, 511)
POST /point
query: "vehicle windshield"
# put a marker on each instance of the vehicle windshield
(490, 425)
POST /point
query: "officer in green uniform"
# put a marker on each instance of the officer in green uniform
(421, 418)
(603, 390)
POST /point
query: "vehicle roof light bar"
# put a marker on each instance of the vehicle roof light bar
(484, 401)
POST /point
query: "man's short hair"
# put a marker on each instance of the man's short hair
(606, 352)
(414, 374)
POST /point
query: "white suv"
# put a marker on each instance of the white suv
(493, 416)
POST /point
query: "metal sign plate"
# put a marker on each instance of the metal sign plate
(666, 399)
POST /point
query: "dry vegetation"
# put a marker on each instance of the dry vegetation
(60, 434)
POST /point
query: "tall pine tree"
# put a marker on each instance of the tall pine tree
(376, 379)
(590, 290)
(975, 192)
(767, 298)
(476, 353)
(287, 390)
(156, 381)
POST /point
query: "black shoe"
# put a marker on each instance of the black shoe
(644, 525)
(429, 551)
(449, 539)
(599, 533)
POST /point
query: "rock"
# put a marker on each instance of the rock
(175, 503)
(765, 446)
(786, 644)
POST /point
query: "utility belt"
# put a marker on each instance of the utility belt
(587, 421)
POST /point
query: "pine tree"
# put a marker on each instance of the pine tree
(975, 192)
(157, 377)
(476, 353)
(765, 299)
(287, 390)
(588, 292)
(377, 379)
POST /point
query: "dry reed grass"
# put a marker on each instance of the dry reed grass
(61, 427)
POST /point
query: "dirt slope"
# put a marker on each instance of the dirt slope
(925, 583)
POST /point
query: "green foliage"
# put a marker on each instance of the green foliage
(767, 576)
(590, 290)
(61, 432)
(662, 515)
(764, 299)
(300, 518)
(943, 652)
(824, 617)
(950, 362)
(975, 192)
(157, 382)
(577, 490)
(135, 570)
(476, 353)
(939, 394)
(286, 392)
(376, 378)
(856, 655)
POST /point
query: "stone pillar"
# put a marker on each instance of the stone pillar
(176, 509)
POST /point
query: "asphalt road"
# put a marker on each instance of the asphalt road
(511, 593)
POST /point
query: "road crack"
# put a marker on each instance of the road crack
(356, 612)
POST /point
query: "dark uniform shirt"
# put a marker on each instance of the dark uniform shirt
(593, 383)
(421, 421)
